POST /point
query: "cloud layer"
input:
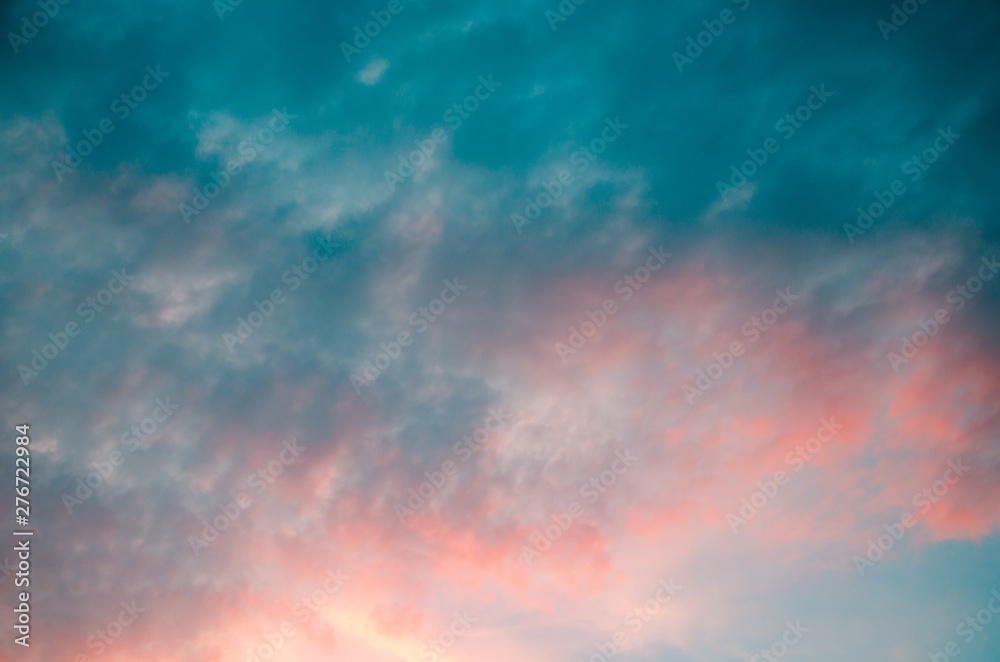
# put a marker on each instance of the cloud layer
(452, 349)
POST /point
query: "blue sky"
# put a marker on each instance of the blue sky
(336, 199)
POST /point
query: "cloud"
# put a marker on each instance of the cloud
(322, 181)
(373, 71)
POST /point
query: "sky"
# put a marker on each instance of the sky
(475, 331)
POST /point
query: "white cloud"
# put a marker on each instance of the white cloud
(373, 72)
